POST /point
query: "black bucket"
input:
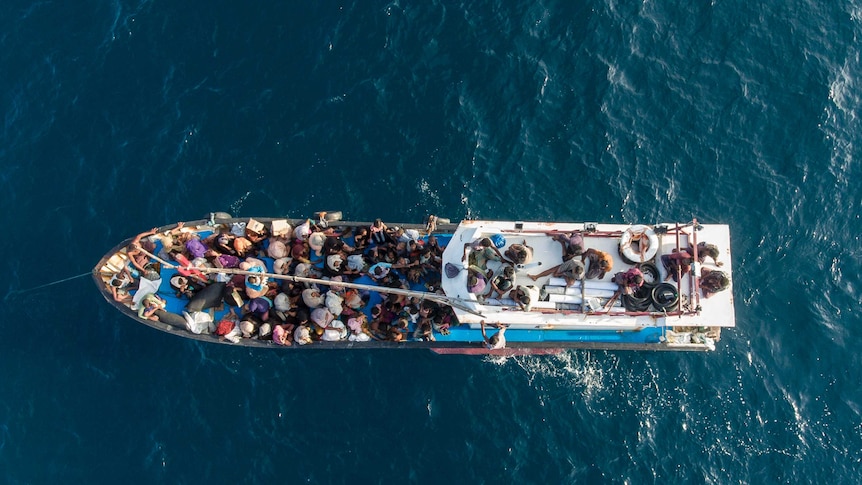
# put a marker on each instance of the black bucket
(665, 297)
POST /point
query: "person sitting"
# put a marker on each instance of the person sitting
(255, 284)
(712, 281)
(137, 249)
(293, 290)
(677, 264)
(378, 231)
(305, 270)
(242, 247)
(571, 269)
(572, 243)
(256, 237)
(182, 287)
(170, 241)
(334, 265)
(379, 270)
(223, 243)
(360, 241)
(398, 330)
(249, 326)
(434, 245)
(522, 297)
(312, 298)
(300, 317)
(378, 326)
(353, 300)
(187, 269)
(327, 327)
(334, 302)
(407, 249)
(359, 331)
(315, 242)
(482, 251)
(382, 269)
(599, 263)
(424, 331)
(627, 282)
(228, 326)
(498, 340)
(283, 334)
(151, 303)
(264, 331)
(194, 246)
(477, 280)
(519, 253)
(704, 251)
(259, 306)
(397, 235)
(302, 231)
(300, 251)
(503, 283)
(120, 284)
(414, 275)
(424, 256)
(302, 335)
(278, 248)
(356, 263)
(334, 245)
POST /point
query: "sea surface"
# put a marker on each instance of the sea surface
(118, 116)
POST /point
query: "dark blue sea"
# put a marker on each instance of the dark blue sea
(123, 115)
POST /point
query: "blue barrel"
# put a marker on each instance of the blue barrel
(498, 240)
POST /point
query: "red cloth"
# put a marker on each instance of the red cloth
(181, 259)
(224, 327)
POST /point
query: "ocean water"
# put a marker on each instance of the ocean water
(119, 116)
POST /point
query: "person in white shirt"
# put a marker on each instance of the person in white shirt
(498, 340)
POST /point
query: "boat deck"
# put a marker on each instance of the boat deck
(567, 311)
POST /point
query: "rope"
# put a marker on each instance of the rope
(51, 283)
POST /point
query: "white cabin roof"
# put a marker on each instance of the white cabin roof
(715, 311)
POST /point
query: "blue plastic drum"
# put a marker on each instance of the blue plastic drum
(498, 240)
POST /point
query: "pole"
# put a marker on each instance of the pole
(445, 300)
(696, 277)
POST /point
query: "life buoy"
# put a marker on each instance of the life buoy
(212, 216)
(638, 244)
(328, 216)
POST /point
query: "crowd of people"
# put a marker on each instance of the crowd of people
(284, 311)
(577, 263)
(678, 263)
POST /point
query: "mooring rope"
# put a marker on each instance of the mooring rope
(51, 283)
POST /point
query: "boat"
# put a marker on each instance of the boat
(668, 287)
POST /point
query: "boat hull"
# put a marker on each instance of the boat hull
(548, 327)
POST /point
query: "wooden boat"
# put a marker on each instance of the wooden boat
(682, 311)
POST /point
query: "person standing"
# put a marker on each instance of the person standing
(498, 340)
